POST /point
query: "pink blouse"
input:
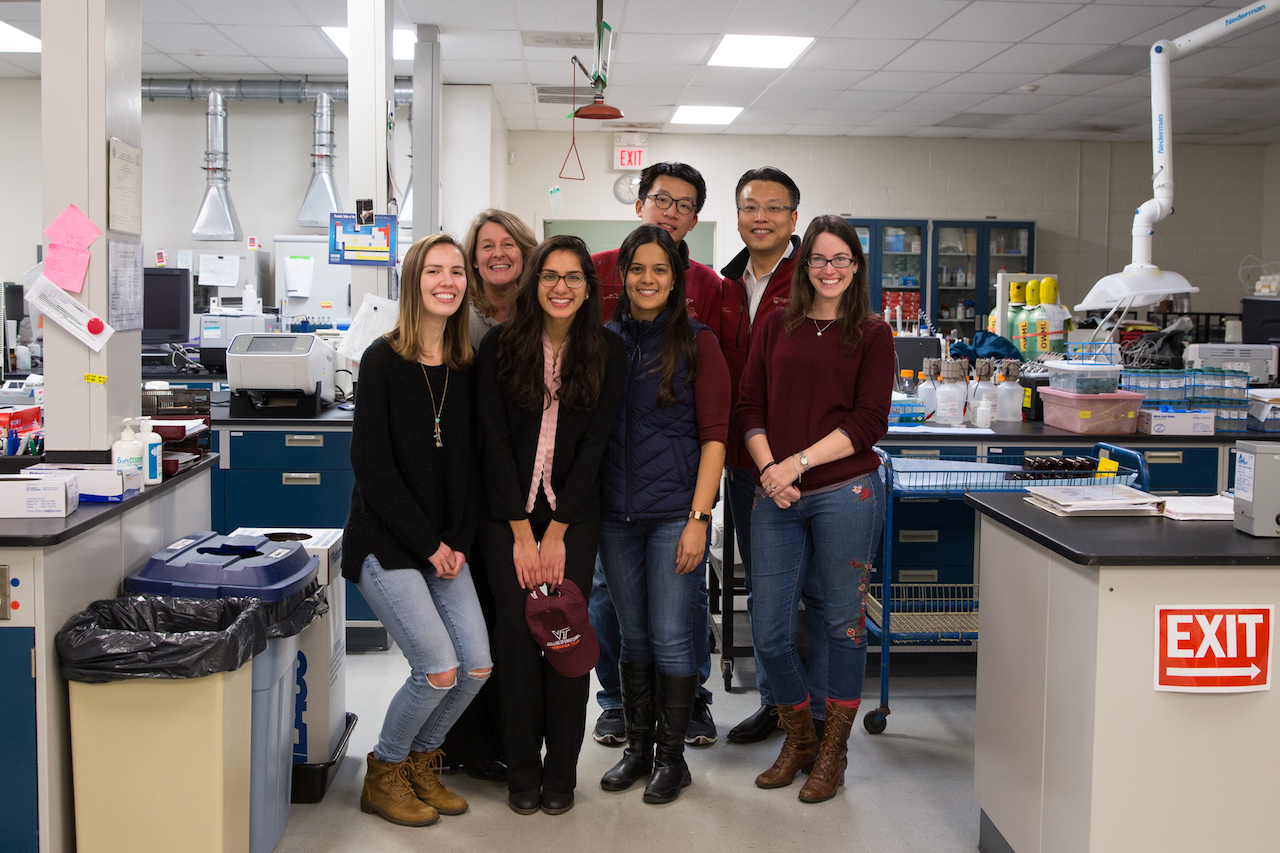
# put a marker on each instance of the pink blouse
(545, 453)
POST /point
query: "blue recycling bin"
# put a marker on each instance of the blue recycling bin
(283, 576)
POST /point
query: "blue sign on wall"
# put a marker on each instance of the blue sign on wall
(370, 244)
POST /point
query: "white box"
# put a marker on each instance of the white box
(54, 495)
(1155, 422)
(98, 483)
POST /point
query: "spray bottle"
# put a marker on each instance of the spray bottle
(153, 445)
(128, 451)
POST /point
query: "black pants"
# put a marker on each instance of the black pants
(539, 705)
(476, 738)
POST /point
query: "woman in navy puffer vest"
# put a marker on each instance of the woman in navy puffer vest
(659, 478)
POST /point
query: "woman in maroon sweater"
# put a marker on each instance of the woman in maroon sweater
(813, 401)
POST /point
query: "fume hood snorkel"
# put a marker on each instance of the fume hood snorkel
(217, 220)
(322, 195)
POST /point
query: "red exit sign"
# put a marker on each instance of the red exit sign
(1213, 649)
(630, 157)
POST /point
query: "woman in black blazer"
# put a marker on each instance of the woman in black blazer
(549, 383)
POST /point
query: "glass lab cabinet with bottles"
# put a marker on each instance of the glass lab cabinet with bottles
(897, 267)
(966, 256)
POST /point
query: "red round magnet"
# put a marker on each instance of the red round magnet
(95, 326)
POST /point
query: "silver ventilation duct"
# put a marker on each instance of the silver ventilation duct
(406, 206)
(297, 91)
(322, 195)
(217, 218)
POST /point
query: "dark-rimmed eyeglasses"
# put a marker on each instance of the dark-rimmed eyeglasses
(771, 209)
(548, 279)
(817, 262)
(664, 202)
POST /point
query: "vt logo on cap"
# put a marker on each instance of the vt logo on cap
(559, 624)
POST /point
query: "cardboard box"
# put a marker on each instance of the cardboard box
(1156, 422)
(21, 418)
(98, 483)
(56, 494)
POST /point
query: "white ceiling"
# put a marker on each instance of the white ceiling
(877, 67)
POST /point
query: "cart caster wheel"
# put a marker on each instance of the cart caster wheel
(874, 722)
(726, 669)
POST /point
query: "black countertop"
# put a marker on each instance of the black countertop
(329, 417)
(1128, 541)
(35, 532)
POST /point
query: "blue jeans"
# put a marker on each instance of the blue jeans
(657, 608)
(438, 625)
(742, 494)
(832, 535)
(604, 621)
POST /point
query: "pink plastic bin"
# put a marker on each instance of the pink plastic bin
(1095, 414)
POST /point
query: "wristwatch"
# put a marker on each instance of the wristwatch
(804, 461)
(699, 516)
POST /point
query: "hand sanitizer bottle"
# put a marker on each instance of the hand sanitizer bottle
(128, 451)
(153, 451)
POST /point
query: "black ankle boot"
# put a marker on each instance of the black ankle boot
(675, 704)
(637, 709)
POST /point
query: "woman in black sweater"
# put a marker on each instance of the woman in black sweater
(549, 383)
(414, 509)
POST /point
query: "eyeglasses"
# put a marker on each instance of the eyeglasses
(817, 262)
(664, 202)
(773, 209)
(548, 279)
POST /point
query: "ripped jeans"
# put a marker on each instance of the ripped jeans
(834, 534)
(438, 625)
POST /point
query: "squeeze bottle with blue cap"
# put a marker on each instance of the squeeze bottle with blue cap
(153, 449)
(128, 451)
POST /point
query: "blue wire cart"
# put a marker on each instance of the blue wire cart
(947, 614)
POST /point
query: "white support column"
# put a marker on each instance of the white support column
(427, 87)
(91, 73)
(370, 95)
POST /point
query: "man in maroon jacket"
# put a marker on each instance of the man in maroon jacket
(671, 197)
(756, 283)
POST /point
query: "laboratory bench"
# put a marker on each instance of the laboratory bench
(1075, 747)
(51, 569)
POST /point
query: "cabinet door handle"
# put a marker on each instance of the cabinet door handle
(303, 440)
(287, 479)
(1163, 457)
(917, 536)
(907, 451)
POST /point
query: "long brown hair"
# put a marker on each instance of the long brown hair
(406, 337)
(855, 303)
(677, 338)
(520, 357)
(519, 232)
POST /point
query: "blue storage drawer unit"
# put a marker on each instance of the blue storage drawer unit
(294, 450)
(1183, 470)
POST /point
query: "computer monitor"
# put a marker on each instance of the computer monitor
(14, 309)
(166, 306)
(1260, 320)
(913, 351)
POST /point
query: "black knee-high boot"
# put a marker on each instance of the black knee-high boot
(675, 704)
(638, 710)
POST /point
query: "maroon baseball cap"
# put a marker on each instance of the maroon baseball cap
(559, 624)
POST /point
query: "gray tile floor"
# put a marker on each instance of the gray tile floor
(909, 789)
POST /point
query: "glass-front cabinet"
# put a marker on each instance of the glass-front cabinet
(967, 256)
(896, 264)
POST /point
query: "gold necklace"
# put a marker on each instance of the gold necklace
(822, 329)
(443, 394)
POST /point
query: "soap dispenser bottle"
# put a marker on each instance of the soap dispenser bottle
(128, 451)
(153, 451)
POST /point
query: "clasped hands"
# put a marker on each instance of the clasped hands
(778, 482)
(447, 562)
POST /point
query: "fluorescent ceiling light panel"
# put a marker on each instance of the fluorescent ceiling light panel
(402, 41)
(14, 40)
(759, 51)
(705, 115)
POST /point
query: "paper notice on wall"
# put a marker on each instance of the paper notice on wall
(219, 270)
(184, 259)
(298, 272)
(72, 228)
(66, 266)
(62, 308)
(124, 285)
(376, 317)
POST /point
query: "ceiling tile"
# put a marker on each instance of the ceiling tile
(155, 11)
(991, 84)
(1260, 36)
(765, 17)
(1039, 122)
(954, 56)
(1270, 70)
(852, 54)
(718, 96)
(989, 21)
(1131, 87)
(818, 78)
(183, 38)
(1038, 58)
(757, 129)
(1191, 19)
(513, 93)
(798, 98)
(1073, 84)
(480, 45)
(678, 49)
(832, 118)
(517, 111)
(721, 76)
(901, 119)
(292, 42)
(1221, 61)
(662, 16)
(12, 12)
(225, 65)
(563, 55)
(11, 71)
(903, 81)
(319, 13)
(294, 67)
(821, 130)
(551, 73)
(1017, 104)
(859, 100)
(520, 123)
(758, 115)
(644, 95)
(875, 130)
(1086, 106)
(453, 15)
(1105, 24)
(652, 75)
(31, 28)
(556, 125)
(910, 19)
(648, 115)
(485, 72)
(255, 12)
(161, 63)
(953, 101)
(555, 16)
(941, 132)
(551, 111)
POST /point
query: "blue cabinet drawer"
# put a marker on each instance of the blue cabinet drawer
(300, 497)
(930, 574)
(926, 547)
(931, 512)
(18, 806)
(923, 451)
(1183, 470)
(300, 450)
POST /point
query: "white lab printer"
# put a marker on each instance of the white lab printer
(279, 375)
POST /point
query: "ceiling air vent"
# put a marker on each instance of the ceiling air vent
(562, 95)
(569, 40)
(632, 125)
(975, 120)
(1121, 59)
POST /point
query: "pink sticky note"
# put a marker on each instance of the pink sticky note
(72, 228)
(65, 266)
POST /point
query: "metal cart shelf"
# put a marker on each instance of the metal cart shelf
(940, 614)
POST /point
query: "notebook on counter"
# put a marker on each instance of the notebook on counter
(1080, 501)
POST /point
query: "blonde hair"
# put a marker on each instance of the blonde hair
(519, 232)
(406, 337)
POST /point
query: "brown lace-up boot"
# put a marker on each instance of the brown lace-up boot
(797, 750)
(388, 793)
(424, 775)
(829, 766)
